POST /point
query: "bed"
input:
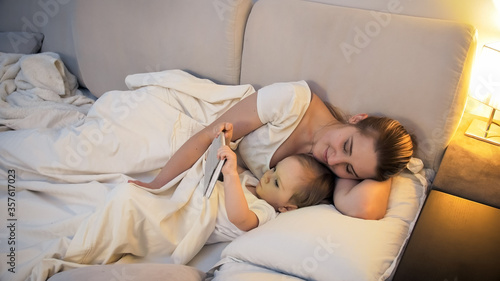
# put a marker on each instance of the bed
(115, 93)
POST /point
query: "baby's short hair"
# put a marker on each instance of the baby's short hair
(319, 183)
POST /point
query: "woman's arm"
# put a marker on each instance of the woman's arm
(367, 199)
(242, 115)
(236, 204)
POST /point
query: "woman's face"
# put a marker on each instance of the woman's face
(348, 153)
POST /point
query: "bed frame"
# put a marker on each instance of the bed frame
(413, 69)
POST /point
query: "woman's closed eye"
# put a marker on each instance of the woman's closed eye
(348, 146)
(348, 150)
(348, 169)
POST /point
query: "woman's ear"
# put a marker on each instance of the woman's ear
(358, 117)
(286, 208)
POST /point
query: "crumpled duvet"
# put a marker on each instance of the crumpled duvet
(74, 205)
(37, 90)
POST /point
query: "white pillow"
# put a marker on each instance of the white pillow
(319, 243)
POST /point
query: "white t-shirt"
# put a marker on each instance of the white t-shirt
(280, 106)
(224, 229)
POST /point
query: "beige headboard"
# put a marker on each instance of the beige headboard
(116, 38)
(101, 42)
(415, 70)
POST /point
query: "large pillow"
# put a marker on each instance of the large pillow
(20, 42)
(319, 243)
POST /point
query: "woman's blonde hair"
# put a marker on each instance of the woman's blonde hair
(317, 183)
(393, 144)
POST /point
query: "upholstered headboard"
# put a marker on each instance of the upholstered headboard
(102, 42)
(415, 70)
(111, 44)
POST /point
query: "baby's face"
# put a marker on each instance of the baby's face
(279, 184)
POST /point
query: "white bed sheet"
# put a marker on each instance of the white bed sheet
(65, 178)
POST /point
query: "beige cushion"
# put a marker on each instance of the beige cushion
(412, 69)
(116, 38)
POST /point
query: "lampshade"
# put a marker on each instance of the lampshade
(486, 83)
(486, 89)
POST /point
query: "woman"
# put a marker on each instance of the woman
(285, 119)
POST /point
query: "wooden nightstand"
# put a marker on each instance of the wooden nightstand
(454, 239)
(457, 235)
(470, 168)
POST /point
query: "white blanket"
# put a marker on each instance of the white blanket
(38, 91)
(72, 202)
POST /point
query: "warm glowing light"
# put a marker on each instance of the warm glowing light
(496, 15)
(486, 83)
(486, 89)
(497, 4)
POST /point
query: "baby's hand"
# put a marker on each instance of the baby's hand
(231, 165)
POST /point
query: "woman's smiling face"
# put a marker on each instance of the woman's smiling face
(347, 152)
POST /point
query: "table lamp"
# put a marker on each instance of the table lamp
(486, 89)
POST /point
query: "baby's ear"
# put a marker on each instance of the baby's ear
(286, 208)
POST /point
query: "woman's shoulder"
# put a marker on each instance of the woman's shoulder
(289, 89)
(282, 100)
(286, 96)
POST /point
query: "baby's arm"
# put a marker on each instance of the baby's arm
(236, 204)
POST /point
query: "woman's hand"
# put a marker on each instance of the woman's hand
(144, 184)
(226, 128)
